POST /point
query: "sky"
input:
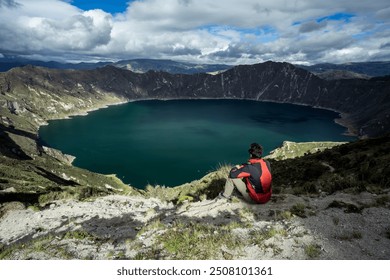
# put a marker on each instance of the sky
(199, 31)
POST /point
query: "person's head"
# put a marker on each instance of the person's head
(255, 150)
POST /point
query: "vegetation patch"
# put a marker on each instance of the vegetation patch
(207, 187)
(184, 198)
(285, 215)
(155, 224)
(299, 210)
(31, 248)
(258, 237)
(348, 236)
(198, 241)
(80, 235)
(356, 167)
(312, 251)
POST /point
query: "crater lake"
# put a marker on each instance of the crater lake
(172, 142)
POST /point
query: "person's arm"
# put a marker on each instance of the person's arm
(239, 171)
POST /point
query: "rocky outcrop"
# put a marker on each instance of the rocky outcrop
(13, 107)
(59, 155)
(293, 149)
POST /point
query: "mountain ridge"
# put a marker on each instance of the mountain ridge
(363, 103)
(370, 68)
(333, 71)
(139, 65)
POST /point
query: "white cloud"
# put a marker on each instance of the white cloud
(229, 31)
(52, 27)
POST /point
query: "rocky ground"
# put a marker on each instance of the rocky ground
(338, 226)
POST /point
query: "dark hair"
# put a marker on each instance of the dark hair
(256, 150)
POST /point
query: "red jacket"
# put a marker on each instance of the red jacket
(258, 178)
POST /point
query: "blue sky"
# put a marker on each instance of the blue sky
(110, 6)
(204, 31)
(343, 17)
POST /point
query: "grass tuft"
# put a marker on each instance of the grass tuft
(313, 251)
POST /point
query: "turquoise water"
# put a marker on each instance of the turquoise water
(173, 142)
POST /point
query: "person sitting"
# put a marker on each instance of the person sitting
(252, 179)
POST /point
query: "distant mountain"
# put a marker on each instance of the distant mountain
(135, 65)
(341, 74)
(372, 69)
(327, 71)
(7, 63)
(169, 66)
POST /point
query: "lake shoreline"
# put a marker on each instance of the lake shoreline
(183, 99)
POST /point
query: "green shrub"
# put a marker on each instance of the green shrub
(313, 251)
(298, 210)
(79, 234)
(197, 241)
